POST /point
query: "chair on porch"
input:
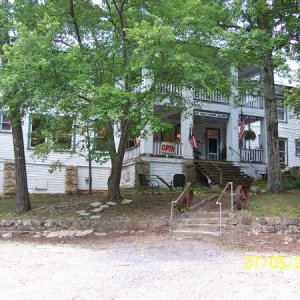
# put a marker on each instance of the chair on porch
(178, 181)
(148, 183)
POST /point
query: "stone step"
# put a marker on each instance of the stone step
(208, 215)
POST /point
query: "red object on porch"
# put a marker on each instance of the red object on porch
(192, 137)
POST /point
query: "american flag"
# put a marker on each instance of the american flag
(192, 137)
(242, 126)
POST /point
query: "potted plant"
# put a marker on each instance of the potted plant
(250, 135)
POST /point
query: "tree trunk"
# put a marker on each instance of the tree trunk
(22, 195)
(114, 180)
(274, 184)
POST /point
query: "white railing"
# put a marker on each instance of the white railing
(214, 96)
(251, 155)
(252, 101)
(169, 88)
(220, 203)
(132, 153)
(157, 149)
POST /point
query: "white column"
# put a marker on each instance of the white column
(147, 145)
(232, 129)
(263, 139)
(186, 120)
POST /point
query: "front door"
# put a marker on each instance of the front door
(213, 144)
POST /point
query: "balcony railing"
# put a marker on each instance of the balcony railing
(169, 89)
(251, 155)
(252, 101)
(214, 96)
(158, 151)
(132, 153)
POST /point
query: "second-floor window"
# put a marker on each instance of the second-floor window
(5, 123)
(281, 112)
(297, 144)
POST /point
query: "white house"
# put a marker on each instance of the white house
(216, 130)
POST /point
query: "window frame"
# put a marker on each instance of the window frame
(2, 115)
(297, 147)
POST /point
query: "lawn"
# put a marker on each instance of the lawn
(287, 203)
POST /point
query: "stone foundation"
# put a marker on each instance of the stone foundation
(190, 172)
(9, 186)
(141, 167)
(71, 176)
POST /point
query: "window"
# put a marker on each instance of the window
(282, 151)
(5, 123)
(101, 140)
(45, 129)
(297, 144)
(36, 136)
(281, 112)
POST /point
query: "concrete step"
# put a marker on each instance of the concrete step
(188, 234)
(207, 215)
(200, 227)
(206, 220)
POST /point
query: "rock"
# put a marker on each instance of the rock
(126, 201)
(110, 203)
(97, 210)
(80, 211)
(84, 214)
(288, 239)
(37, 235)
(61, 234)
(7, 223)
(273, 220)
(49, 223)
(294, 220)
(233, 221)
(286, 243)
(215, 188)
(81, 233)
(261, 220)
(246, 220)
(26, 223)
(96, 217)
(101, 233)
(54, 234)
(38, 223)
(255, 228)
(253, 189)
(267, 229)
(293, 229)
(7, 235)
(104, 206)
(95, 204)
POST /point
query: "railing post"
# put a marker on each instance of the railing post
(231, 195)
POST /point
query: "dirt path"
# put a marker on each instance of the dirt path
(146, 267)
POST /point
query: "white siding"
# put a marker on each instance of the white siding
(1, 176)
(99, 174)
(165, 170)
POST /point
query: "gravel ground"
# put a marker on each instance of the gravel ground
(137, 267)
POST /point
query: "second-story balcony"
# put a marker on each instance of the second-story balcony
(250, 101)
(214, 96)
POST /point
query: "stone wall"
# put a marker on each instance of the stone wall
(265, 224)
(9, 185)
(71, 176)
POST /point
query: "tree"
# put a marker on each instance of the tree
(90, 62)
(266, 33)
(13, 99)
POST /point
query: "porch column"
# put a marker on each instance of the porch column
(232, 137)
(263, 139)
(147, 145)
(186, 120)
(232, 130)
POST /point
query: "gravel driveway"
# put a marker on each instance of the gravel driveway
(147, 267)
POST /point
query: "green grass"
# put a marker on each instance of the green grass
(276, 204)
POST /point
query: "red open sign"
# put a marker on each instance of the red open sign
(168, 148)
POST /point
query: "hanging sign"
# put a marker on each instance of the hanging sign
(168, 148)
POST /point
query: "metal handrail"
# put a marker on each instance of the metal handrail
(177, 201)
(248, 162)
(220, 204)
